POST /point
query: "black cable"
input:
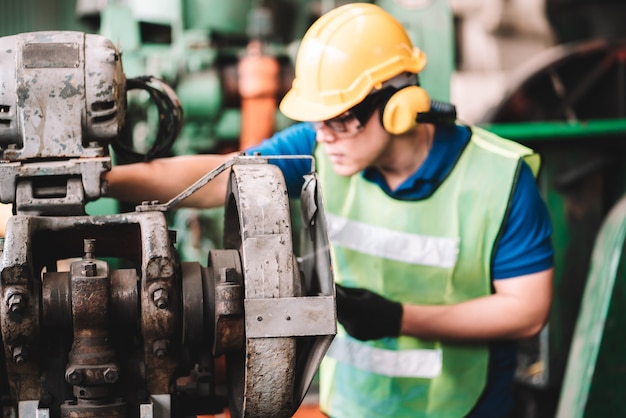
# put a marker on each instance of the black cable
(170, 119)
(439, 113)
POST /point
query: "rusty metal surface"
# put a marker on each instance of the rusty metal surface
(159, 321)
(56, 300)
(32, 242)
(62, 101)
(91, 348)
(257, 222)
(92, 368)
(174, 307)
(48, 79)
(195, 316)
(110, 410)
(124, 298)
(226, 275)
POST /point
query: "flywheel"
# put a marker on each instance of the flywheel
(257, 223)
(269, 312)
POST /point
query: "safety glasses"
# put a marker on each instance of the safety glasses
(344, 123)
(341, 124)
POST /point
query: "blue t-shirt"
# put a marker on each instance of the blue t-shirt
(525, 246)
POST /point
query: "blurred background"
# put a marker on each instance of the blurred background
(547, 73)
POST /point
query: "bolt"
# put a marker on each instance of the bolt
(89, 246)
(111, 375)
(16, 303)
(19, 355)
(89, 269)
(73, 376)
(160, 298)
(159, 348)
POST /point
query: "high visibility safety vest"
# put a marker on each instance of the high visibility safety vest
(432, 251)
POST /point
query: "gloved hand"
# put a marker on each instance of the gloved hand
(366, 315)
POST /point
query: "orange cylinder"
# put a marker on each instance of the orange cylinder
(259, 80)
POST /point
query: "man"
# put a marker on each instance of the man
(440, 239)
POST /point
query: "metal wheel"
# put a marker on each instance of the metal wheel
(257, 224)
(568, 82)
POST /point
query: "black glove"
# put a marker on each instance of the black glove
(366, 315)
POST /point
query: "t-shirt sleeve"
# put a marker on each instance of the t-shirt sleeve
(298, 139)
(525, 246)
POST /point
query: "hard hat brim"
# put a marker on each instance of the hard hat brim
(296, 108)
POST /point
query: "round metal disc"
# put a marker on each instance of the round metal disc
(257, 223)
(578, 81)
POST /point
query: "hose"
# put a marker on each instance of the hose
(170, 119)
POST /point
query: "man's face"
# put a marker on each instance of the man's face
(351, 146)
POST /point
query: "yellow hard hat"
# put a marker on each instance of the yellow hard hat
(344, 55)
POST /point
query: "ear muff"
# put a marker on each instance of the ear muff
(399, 114)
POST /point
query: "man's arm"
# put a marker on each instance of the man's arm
(164, 178)
(519, 308)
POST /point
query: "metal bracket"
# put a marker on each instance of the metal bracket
(289, 317)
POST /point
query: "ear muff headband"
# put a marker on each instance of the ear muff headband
(399, 114)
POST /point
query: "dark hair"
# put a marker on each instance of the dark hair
(364, 110)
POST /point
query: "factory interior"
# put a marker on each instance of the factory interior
(550, 74)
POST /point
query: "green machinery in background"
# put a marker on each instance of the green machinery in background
(199, 47)
(196, 45)
(569, 105)
(34, 15)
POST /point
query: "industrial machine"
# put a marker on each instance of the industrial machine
(568, 104)
(99, 317)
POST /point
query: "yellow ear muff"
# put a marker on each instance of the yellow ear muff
(400, 112)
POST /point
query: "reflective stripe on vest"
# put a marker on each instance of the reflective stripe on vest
(393, 245)
(405, 363)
